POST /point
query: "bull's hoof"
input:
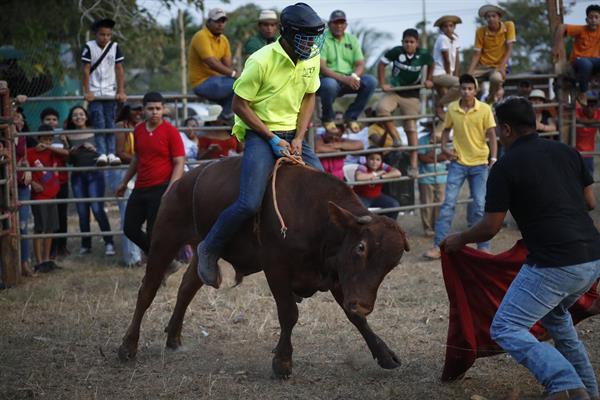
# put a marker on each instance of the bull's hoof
(387, 359)
(282, 369)
(173, 343)
(126, 353)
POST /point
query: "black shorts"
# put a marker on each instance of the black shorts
(45, 218)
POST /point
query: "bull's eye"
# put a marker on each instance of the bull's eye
(360, 248)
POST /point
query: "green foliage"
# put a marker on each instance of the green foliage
(242, 24)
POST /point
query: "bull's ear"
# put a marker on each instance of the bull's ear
(340, 216)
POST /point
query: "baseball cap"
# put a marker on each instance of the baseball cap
(216, 14)
(337, 15)
(267, 15)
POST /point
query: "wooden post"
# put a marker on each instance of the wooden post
(183, 61)
(10, 251)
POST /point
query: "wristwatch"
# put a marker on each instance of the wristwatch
(355, 76)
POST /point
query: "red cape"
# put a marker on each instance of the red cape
(476, 283)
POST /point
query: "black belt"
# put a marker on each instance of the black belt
(281, 133)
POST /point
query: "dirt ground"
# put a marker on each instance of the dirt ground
(59, 334)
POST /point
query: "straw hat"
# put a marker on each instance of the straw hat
(452, 18)
(490, 7)
(537, 94)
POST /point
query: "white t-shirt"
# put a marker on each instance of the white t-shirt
(443, 42)
(103, 80)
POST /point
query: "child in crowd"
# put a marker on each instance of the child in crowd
(331, 141)
(103, 75)
(374, 170)
(45, 185)
(215, 144)
(586, 136)
(446, 61)
(190, 140)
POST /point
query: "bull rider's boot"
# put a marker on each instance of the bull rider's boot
(208, 269)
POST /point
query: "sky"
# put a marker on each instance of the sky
(393, 16)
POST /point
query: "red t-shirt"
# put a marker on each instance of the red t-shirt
(586, 137)
(155, 152)
(371, 191)
(227, 145)
(48, 179)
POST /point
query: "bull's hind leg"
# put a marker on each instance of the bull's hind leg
(162, 252)
(380, 351)
(190, 284)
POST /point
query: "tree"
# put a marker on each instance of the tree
(370, 40)
(242, 24)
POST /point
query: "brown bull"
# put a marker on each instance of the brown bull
(333, 243)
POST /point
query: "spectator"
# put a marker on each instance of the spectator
(446, 59)
(363, 137)
(407, 63)
(45, 185)
(217, 143)
(493, 48)
(342, 72)
(371, 196)
(190, 140)
(431, 188)
(543, 119)
(158, 161)
(472, 122)
(585, 55)
(586, 136)
(103, 75)
(129, 117)
(267, 32)
(524, 88)
(331, 141)
(87, 184)
(210, 70)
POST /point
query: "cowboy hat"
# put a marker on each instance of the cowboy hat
(488, 8)
(452, 18)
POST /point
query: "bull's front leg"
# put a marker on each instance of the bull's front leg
(287, 311)
(385, 357)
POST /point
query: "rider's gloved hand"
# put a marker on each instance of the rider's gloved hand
(276, 146)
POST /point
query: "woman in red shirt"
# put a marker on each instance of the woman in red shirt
(217, 143)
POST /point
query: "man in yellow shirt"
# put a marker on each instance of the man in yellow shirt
(473, 123)
(493, 48)
(274, 100)
(209, 61)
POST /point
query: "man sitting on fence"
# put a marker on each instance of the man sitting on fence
(267, 32)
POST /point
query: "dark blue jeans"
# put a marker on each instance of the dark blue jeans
(102, 116)
(86, 185)
(330, 89)
(257, 163)
(584, 69)
(24, 211)
(383, 201)
(218, 89)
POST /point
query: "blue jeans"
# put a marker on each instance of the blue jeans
(584, 69)
(218, 89)
(589, 164)
(383, 201)
(86, 185)
(546, 294)
(131, 253)
(24, 211)
(102, 116)
(257, 164)
(457, 173)
(330, 89)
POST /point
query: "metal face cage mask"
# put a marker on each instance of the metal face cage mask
(307, 42)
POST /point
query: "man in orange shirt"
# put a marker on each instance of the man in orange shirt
(585, 56)
(209, 61)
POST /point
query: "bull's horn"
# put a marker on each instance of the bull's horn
(364, 219)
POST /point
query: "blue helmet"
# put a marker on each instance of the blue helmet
(302, 29)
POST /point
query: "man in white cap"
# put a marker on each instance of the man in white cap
(267, 32)
(209, 62)
(493, 48)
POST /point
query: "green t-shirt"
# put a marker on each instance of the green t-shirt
(407, 70)
(255, 43)
(275, 86)
(341, 55)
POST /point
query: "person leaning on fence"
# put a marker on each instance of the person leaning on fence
(374, 170)
(267, 32)
(446, 61)
(342, 72)
(158, 161)
(543, 119)
(524, 88)
(408, 62)
(103, 75)
(45, 185)
(563, 245)
(493, 48)
(274, 102)
(129, 117)
(216, 143)
(585, 137)
(209, 62)
(585, 55)
(87, 184)
(472, 123)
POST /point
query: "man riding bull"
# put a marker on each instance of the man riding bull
(273, 101)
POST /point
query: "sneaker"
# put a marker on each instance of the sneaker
(84, 250)
(208, 269)
(109, 249)
(429, 233)
(412, 172)
(102, 160)
(44, 267)
(113, 160)
(433, 253)
(354, 126)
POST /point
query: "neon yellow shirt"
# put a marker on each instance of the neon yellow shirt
(275, 86)
(469, 132)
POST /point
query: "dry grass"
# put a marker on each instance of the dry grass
(59, 335)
